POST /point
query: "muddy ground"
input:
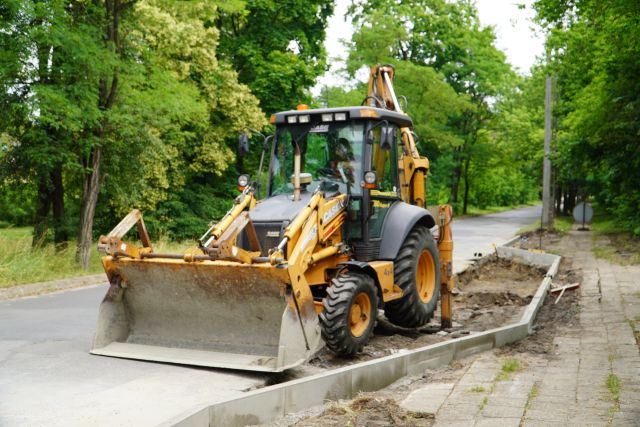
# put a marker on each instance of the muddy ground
(539, 240)
(376, 409)
(368, 410)
(487, 296)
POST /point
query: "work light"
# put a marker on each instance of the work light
(243, 181)
(370, 179)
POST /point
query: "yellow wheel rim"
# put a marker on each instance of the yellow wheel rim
(360, 314)
(426, 276)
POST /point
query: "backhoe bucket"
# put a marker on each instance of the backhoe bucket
(210, 313)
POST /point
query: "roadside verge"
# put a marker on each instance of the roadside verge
(34, 289)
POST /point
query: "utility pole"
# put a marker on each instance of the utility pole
(547, 205)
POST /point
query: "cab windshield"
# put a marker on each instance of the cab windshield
(330, 152)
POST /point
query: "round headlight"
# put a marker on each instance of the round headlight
(370, 177)
(243, 180)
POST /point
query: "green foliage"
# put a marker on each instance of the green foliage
(172, 124)
(277, 47)
(189, 212)
(594, 52)
(470, 112)
(332, 96)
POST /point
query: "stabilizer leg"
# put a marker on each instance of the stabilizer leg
(445, 249)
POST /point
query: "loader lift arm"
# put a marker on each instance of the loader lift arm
(220, 241)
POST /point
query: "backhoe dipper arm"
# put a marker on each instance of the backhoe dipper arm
(414, 167)
(381, 90)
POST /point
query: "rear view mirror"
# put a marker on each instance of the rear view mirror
(369, 138)
(243, 144)
(387, 135)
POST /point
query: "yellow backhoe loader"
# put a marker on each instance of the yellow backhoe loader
(341, 232)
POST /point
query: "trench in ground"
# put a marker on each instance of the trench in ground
(489, 294)
(482, 294)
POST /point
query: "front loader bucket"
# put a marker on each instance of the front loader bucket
(210, 313)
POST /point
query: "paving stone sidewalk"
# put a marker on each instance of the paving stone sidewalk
(592, 379)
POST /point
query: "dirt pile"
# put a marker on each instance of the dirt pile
(487, 295)
(553, 316)
(539, 240)
(368, 410)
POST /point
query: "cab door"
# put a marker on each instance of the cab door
(384, 162)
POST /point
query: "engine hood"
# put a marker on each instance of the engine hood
(279, 208)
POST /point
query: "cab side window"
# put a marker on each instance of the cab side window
(385, 164)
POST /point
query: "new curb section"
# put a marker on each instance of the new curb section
(271, 403)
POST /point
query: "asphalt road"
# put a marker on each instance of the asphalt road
(48, 377)
(478, 235)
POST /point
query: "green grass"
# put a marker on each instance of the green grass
(484, 402)
(613, 385)
(561, 224)
(603, 222)
(611, 242)
(509, 366)
(478, 389)
(20, 263)
(623, 249)
(533, 393)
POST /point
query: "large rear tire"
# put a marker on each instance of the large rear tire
(349, 315)
(417, 272)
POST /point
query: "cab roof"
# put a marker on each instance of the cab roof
(362, 112)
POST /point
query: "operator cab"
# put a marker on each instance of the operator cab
(338, 146)
(333, 147)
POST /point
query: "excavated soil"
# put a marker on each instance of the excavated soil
(552, 316)
(539, 239)
(487, 296)
(368, 410)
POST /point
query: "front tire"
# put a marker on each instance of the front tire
(349, 314)
(417, 273)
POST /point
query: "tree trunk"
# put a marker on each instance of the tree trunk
(92, 178)
(90, 190)
(61, 235)
(455, 182)
(465, 202)
(570, 201)
(43, 202)
(558, 198)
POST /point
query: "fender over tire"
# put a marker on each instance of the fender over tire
(417, 272)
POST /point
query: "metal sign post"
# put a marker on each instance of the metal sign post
(583, 213)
